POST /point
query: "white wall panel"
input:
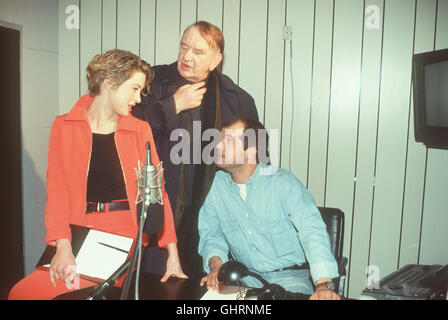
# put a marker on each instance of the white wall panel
(344, 109)
(321, 85)
(167, 31)
(273, 93)
(416, 153)
(299, 64)
(69, 62)
(392, 134)
(147, 30)
(188, 14)
(109, 25)
(39, 101)
(231, 31)
(211, 11)
(128, 25)
(90, 39)
(366, 150)
(252, 65)
(35, 161)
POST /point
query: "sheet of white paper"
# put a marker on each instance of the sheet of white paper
(100, 261)
(225, 293)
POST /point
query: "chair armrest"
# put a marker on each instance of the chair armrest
(342, 264)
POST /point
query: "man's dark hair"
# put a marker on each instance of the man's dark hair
(260, 139)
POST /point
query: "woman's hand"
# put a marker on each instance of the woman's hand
(173, 267)
(63, 264)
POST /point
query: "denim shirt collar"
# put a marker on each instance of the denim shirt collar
(253, 179)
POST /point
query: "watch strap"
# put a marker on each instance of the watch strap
(327, 285)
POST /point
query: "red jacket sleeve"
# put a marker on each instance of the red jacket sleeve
(56, 209)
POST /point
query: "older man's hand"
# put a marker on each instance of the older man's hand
(189, 96)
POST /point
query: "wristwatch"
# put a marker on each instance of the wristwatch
(328, 285)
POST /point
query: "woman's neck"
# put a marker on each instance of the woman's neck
(101, 119)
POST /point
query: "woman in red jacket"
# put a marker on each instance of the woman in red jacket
(91, 180)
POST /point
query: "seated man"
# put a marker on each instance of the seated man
(265, 217)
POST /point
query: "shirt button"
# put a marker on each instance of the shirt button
(249, 232)
(253, 248)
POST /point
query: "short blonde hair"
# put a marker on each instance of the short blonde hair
(117, 66)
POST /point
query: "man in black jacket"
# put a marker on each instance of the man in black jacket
(184, 94)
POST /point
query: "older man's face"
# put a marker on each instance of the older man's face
(196, 58)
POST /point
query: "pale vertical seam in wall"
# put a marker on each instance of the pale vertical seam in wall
(311, 96)
(197, 9)
(140, 28)
(283, 92)
(357, 148)
(102, 9)
(329, 103)
(239, 45)
(116, 23)
(180, 17)
(407, 144)
(377, 126)
(155, 30)
(222, 18)
(266, 67)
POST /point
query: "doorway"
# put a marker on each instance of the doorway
(11, 219)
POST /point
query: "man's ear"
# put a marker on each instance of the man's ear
(217, 60)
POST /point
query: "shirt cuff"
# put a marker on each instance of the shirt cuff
(324, 270)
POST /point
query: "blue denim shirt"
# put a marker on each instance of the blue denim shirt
(276, 227)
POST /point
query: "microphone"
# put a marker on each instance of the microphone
(150, 195)
(151, 180)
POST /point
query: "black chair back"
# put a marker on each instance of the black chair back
(334, 220)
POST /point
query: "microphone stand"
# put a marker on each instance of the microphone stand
(136, 253)
(138, 243)
(110, 281)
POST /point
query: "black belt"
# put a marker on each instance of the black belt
(294, 267)
(93, 207)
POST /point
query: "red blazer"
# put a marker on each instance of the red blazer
(68, 166)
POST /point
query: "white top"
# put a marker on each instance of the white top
(243, 191)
